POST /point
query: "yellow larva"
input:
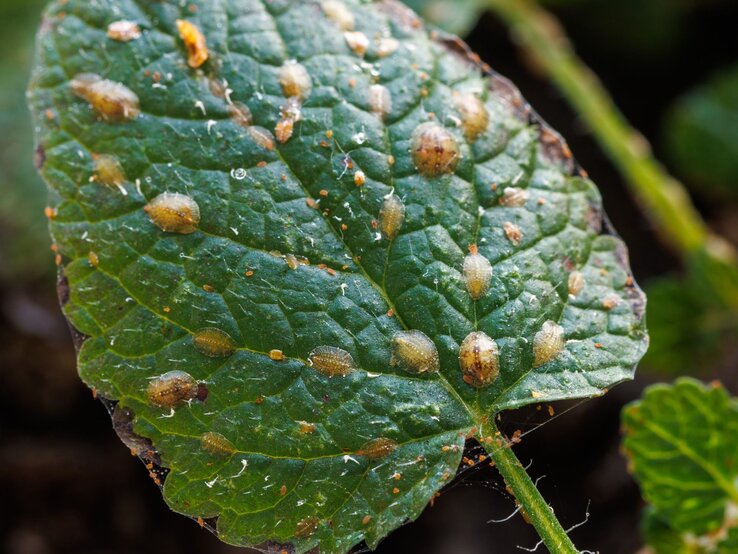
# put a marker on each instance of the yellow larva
(434, 150)
(174, 212)
(339, 14)
(576, 283)
(380, 101)
(295, 80)
(479, 359)
(124, 31)
(413, 351)
(477, 273)
(378, 448)
(474, 115)
(214, 343)
(195, 43)
(109, 172)
(391, 216)
(332, 361)
(112, 101)
(172, 389)
(217, 444)
(548, 343)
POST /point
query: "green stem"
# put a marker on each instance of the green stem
(539, 513)
(663, 198)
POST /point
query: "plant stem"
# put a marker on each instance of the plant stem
(663, 198)
(539, 513)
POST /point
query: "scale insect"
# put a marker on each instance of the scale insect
(216, 444)
(435, 150)
(174, 213)
(391, 216)
(479, 359)
(414, 352)
(173, 389)
(332, 361)
(477, 273)
(214, 343)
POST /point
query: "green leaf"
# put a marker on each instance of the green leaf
(246, 299)
(682, 447)
(662, 538)
(701, 135)
(690, 325)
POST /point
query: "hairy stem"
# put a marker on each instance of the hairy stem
(537, 510)
(663, 198)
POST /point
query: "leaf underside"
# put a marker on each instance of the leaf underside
(296, 471)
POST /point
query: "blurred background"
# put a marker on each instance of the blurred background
(69, 485)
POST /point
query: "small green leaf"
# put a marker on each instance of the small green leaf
(682, 444)
(253, 210)
(701, 135)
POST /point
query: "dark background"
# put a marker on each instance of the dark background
(68, 485)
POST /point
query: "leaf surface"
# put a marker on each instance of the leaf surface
(293, 251)
(681, 442)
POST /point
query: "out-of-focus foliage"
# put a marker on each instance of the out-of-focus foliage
(690, 323)
(701, 135)
(455, 16)
(681, 442)
(23, 234)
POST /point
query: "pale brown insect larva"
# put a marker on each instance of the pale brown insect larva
(124, 31)
(474, 115)
(380, 101)
(217, 444)
(174, 212)
(306, 527)
(548, 343)
(214, 343)
(240, 114)
(413, 351)
(339, 14)
(434, 150)
(391, 216)
(172, 389)
(576, 283)
(512, 232)
(477, 273)
(291, 114)
(262, 137)
(295, 80)
(514, 197)
(112, 101)
(357, 41)
(109, 172)
(479, 359)
(378, 448)
(387, 46)
(331, 361)
(195, 43)
(276, 355)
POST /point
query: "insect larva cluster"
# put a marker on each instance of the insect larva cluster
(391, 216)
(332, 361)
(195, 43)
(474, 115)
(434, 150)
(216, 444)
(479, 359)
(172, 389)
(477, 273)
(378, 448)
(112, 101)
(413, 351)
(214, 343)
(174, 213)
(548, 343)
